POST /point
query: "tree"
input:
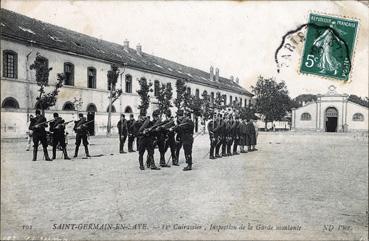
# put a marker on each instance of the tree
(114, 94)
(143, 92)
(207, 110)
(304, 98)
(247, 113)
(45, 100)
(272, 100)
(358, 100)
(218, 102)
(164, 98)
(180, 90)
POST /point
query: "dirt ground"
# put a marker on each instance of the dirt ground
(315, 185)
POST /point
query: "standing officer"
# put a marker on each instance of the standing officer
(169, 137)
(57, 128)
(212, 128)
(80, 128)
(145, 141)
(37, 126)
(219, 135)
(123, 131)
(229, 134)
(224, 135)
(185, 130)
(131, 134)
(236, 135)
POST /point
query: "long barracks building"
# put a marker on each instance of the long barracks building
(85, 60)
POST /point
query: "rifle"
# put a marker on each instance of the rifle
(84, 124)
(37, 125)
(63, 124)
(149, 129)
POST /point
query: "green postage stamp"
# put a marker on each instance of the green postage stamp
(329, 46)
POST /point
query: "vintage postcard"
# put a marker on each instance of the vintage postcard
(184, 120)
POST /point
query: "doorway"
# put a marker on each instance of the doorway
(331, 119)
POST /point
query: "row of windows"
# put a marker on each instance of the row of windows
(12, 103)
(356, 117)
(10, 71)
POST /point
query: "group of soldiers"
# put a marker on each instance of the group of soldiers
(56, 134)
(171, 133)
(227, 132)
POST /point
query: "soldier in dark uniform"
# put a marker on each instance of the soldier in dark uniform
(212, 128)
(57, 128)
(243, 136)
(145, 139)
(170, 137)
(123, 132)
(224, 135)
(81, 130)
(219, 135)
(178, 138)
(250, 135)
(236, 134)
(185, 130)
(229, 134)
(131, 134)
(161, 136)
(37, 126)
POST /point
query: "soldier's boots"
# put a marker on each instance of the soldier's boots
(235, 153)
(217, 155)
(86, 151)
(76, 152)
(175, 161)
(162, 161)
(189, 163)
(212, 157)
(140, 160)
(54, 153)
(34, 155)
(46, 154)
(66, 157)
(152, 164)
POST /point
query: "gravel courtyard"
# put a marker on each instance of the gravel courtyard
(297, 186)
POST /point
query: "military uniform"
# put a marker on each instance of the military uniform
(170, 138)
(37, 126)
(212, 128)
(250, 135)
(145, 140)
(219, 134)
(131, 134)
(229, 135)
(123, 132)
(236, 135)
(57, 129)
(81, 130)
(178, 137)
(185, 132)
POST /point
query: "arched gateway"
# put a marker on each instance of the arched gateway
(331, 119)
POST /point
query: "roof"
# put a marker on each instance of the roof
(22, 28)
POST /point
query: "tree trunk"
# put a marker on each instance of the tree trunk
(266, 125)
(108, 130)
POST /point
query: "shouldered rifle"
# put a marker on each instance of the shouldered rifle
(83, 124)
(42, 123)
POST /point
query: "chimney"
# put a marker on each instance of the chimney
(237, 80)
(217, 74)
(126, 45)
(231, 78)
(139, 49)
(211, 73)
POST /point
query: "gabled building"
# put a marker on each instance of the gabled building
(85, 60)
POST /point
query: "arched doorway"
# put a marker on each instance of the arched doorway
(91, 109)
(331, 119)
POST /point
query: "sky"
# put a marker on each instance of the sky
(238, 37)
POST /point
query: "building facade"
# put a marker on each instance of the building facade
(332, 112)
(85, 62)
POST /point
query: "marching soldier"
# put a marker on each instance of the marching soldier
(37, 126)
(57, 128)
(131, 133)
(80, 127)
(212, 128)
(236, 135)
(185, 130)
(123, 131)
(170, 140)
(145, 140)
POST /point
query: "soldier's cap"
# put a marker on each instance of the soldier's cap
(131, 115)
(219, 115)
(38, 112)
(56, 114)
(122, 115)
(80, 115)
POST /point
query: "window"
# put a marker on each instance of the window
(197, 93)
(305, 116)
(225, 99)
(69, 74)
(68, 106)
(10, 64)
(156, 87)
(128, 83)
(113, 110)
(230, 100)
(128, 109)
(212, 97)
(245, 102)
(10, 103)
(91, 77)
(240, 102)
(169, 86)
(189, 90)
(235, 101)
(91, 108)
(358, 117)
